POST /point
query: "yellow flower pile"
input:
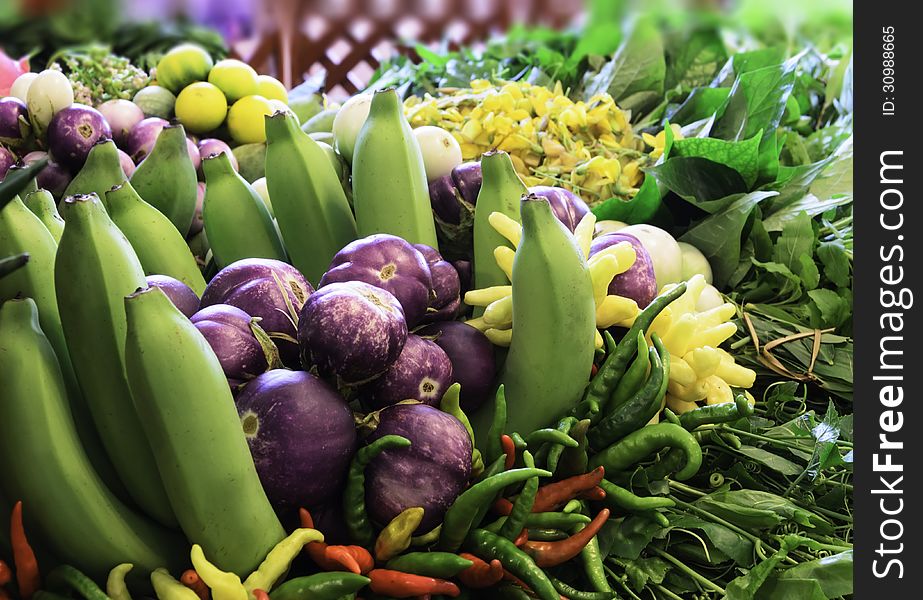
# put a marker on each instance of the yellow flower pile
(586, 147)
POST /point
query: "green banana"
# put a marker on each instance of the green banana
(9, 264)
(390, 193)
(66, 504)
(22, 231)
(501, 191)
(236, 218)
(100, 172)
(554, 324)
(94, 270)
(43, 205)
(307, 198)
(199, 445)
(321, 122)
(159, 246)
(166, 179)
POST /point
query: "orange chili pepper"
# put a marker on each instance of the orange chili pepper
(554, 495)
(522, 538)
(509, 448)
(190, 578)
(550, 554)
(406, 585)
(6, 575)
(328, 558)
(260, 594)
(28, 577)
(596, 494)
(363, 558)
(480, 574)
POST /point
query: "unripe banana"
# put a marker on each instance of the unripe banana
(99, 173)
(66, 505)
(166, 179)
(309, 203)
(390, 193)
(43, 205)
(95, 269)
(236, 218)
(188, 412)
(554, 324)
(158, 245)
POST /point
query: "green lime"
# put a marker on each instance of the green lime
(271, 88)
(247, 119)
(235, 78)
(201, 107)
(182, 65)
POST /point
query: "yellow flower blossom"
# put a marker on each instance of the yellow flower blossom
(659, 141)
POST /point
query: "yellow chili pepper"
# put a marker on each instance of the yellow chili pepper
(224, 585)
(396, 536)
(280, 558)
(167, 588)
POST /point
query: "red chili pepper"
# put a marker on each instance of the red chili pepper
(593, 370)
(406, 585)
(554, 495)
(522, 538)
(28, 577)
(328, 558)
(260, 594)
(596, 494)
(363, 558)
(481, 574)
(550, 554)
(190, 578)
(509, 448)
(6, 575)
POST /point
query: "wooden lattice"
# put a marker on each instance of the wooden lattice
(347, 38)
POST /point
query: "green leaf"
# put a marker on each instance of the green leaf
(761, 500)
(764, 93)
(797, 239)
(698, 180)
(693, 59)
(634, 533)
(718, 236)
(803, 589)
(746, 586)
(834, 574)
(646, 570)
(832, 308)
(701, 103)
(640, 209)
(728, 541)
(741, 156)
(773, 461)
(786, 287)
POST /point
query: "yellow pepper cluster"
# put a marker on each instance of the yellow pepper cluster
(586, 147)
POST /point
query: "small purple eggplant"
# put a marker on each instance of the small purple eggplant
(638, 282)
(445, 302)
(422, 372)
(180, 294)
(73, 132)
(566, 205)
(472, 357)
(242, 347)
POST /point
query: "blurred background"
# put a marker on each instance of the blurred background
(341, 43)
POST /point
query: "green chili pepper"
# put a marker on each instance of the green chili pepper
(664, 355)
(619, 498)
(556, 450)
(634, 376)
(555, 520)
(450, 404)
(277, 562)
(589, 407)
(669, 463)
(442, 565)
(460, 517)
(427, 539)
(572, 506)
(655, 516)
(731, 439)
(115, 584)
(395, 537)
(518, 441)
(167, 588)
(593, 565)
(574, 461)
(633, 414)
(640, 444)
(573, 593)
(494, 450)
(670, 417)
(725, 412)
(331, 585)
(65, 578)
(488, 546)
(547, 535)
(550, 436)
(523, 505)
(354, 513)
(610, 373)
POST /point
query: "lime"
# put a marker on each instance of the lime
(201, 107)
(271, 88)
(182, 65)
(235, 78)
(247, 119)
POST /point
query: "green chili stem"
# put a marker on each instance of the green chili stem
(704, 581)
(666, 592)
(621, 582)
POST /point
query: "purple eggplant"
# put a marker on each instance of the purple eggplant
(53, 177)
(472, 357)
(269, 289)
(180, 294)
(14, 121)
(352, 330)
(390, 263)
(422, 372)
(445, 302)
(463, 268)
(453, 196)
(431, 473)
(638, 282)
(7, 160)
(73, 132)
(566, 205)
(301, 435)
(122, 116)
(143, 136)
(242, 347)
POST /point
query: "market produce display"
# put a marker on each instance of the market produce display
(571, 324)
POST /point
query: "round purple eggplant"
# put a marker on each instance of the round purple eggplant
(14, 121)
(445, 302)
(422, 372)
(53, 177)
(301, 435)
(269, 289)
(463, 268)
(7, 160)
(566, 205)
(73, 132)
(122, 116)
(472, 357)
(180, 294)
(143, 136)
(453, 196)
(638, 282)
(352, 330)
(431, 473)
(390, 263)
(230, 333)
